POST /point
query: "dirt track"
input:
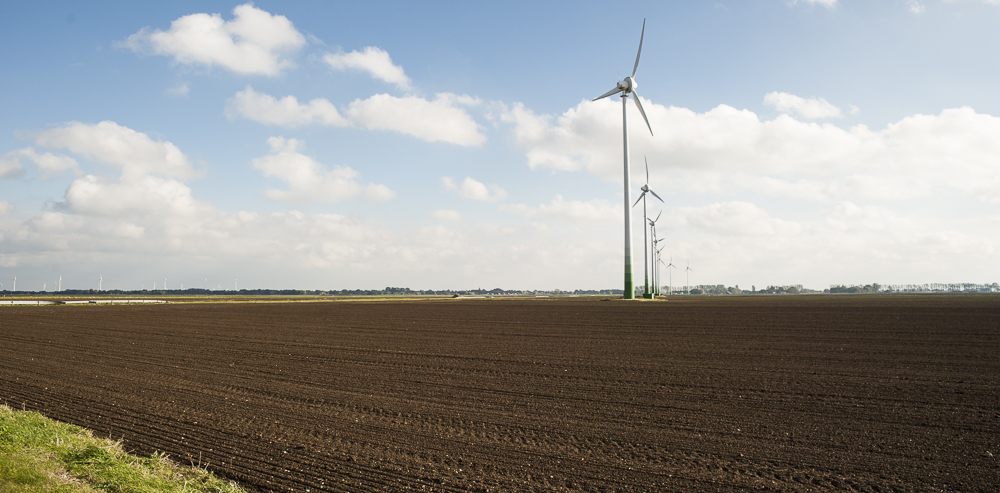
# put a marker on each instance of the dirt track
(703, 394)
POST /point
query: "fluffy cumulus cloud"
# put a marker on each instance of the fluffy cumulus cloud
(48, 164)
(284, 112)
(809, 109)
(372, 60)
(730, 149)
(475, 190)
(442, 119)
(253, 42)
(10, 165)
(309, 180)
(135, 153)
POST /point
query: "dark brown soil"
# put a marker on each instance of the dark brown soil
(796, 393)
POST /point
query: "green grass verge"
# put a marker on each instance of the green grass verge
(41, 455)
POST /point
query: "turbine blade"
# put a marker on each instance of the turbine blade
(635, 97)
(657, 196)
(640, 198)
(647, 170)
(613, 91)
(642, 35)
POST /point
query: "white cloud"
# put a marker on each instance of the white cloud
(446, 215)
(253, 42)
(988, 2)
(736, 219)
(140, 196)
(472, 189)
(916, 7)
(373, 60)
(559, 209)
(809, 109)
(439, 120)
(47, 163)
(435, 120)
(826, 3)
(109, 143)
(180, 90)
(10, 165)
(285, 112)
(310, 181)
(726, 149)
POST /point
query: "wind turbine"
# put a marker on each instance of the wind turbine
(656, 266)
(670, 286)
(60, 283)
(100, 282)
(687, 282)
(626, 87)
(645, 241)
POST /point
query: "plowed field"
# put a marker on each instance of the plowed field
(796, 393)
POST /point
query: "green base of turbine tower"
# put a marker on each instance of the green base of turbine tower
(648, 296)
(629, 289)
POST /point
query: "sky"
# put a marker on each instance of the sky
(454, 145)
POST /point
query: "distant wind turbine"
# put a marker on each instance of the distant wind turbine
(100, 282)
(656, 267)
(60, 283)
(670, 274)
(687, 272)
(645, 241)
(626, 87)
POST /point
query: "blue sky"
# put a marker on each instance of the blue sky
(323, 145)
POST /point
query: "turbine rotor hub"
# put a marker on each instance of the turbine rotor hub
(628, 85)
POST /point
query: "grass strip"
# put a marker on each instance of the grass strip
(44, 456)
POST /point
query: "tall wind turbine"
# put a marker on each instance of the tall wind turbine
(645, 241)
(100, 282)
(687, 282)
(626, 87)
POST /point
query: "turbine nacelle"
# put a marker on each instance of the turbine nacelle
(627, 86)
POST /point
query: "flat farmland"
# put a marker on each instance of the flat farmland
(781, 393)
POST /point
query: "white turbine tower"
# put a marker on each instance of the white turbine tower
(626, 87)
(645, 241)
(687, 282)
(15, 284)
(60, 283)
(100, 283)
